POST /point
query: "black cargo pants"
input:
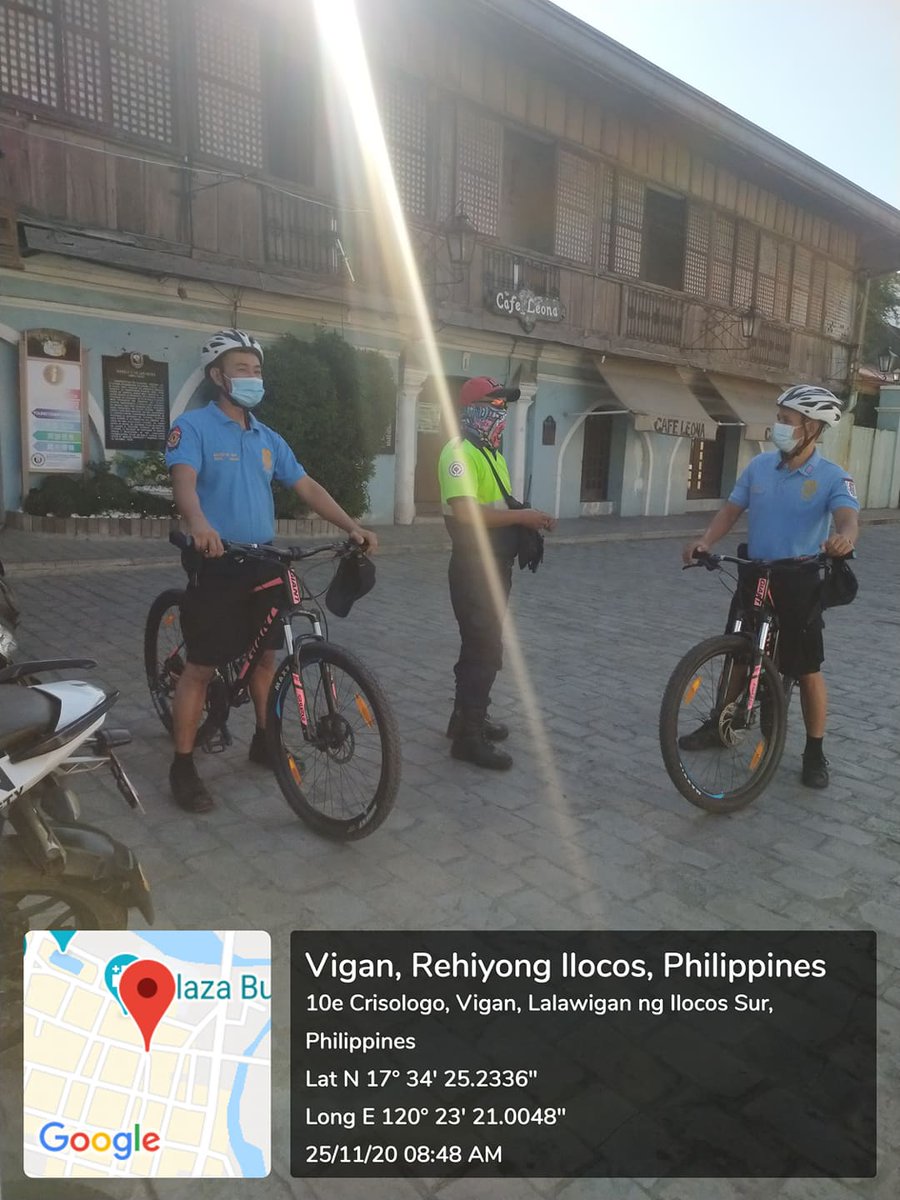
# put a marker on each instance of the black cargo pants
(480, 625)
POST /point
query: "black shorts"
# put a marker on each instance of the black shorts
(801, 649)
(222, 612)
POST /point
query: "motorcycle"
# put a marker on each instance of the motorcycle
(56, 872)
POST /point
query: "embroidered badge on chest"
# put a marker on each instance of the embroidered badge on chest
(267, 458)
(809, 489)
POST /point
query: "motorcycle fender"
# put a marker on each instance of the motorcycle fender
(95, 857)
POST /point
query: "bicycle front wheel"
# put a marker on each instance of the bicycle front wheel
(334, 742)
(719, 758)
(164, 653)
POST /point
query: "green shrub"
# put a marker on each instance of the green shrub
(148, 469)
(95, 492)
(332, 404)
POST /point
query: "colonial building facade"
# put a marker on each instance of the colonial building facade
(648, 266)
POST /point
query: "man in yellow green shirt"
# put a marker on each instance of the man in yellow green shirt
(475, 488)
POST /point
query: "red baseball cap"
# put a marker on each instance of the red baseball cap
(473, 391)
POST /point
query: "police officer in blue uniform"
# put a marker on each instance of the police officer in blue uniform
(222, 461)
(792, 496)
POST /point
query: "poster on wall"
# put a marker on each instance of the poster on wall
(135, 402)
(53, 413)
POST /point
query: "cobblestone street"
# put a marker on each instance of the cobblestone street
(595, 838)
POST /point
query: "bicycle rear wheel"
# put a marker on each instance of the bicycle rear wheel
(164, 654)
(340, 773)
(727, 760)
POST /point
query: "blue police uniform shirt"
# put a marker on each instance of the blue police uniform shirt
(789, 511)
(235, 468)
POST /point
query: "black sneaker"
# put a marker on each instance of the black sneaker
(259, 750)
(815, 771)
(704, 737)
(494, 731)
(188, 789)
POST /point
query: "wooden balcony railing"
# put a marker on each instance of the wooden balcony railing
(651, 316)
(506, 271)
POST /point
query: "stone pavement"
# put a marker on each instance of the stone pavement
(596, 838)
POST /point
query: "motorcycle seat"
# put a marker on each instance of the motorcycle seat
(26, 713)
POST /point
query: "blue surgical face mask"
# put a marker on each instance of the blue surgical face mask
(784, 436)
(246, 391)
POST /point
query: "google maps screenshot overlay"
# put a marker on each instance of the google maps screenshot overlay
(147, 1053)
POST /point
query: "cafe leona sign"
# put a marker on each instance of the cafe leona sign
(526, 306)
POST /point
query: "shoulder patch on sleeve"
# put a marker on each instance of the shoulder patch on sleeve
(456, 469)
(851, 488)
(174, 438)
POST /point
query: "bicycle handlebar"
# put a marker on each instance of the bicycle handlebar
(712, 561)
(184, 541)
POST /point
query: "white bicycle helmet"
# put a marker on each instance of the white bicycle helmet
(228, 339)
(814, 402)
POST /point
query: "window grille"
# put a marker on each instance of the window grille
(721, 259)
(575, 208)
(404, 115)
(28, 63)
(229, 85)
(696, 254)
(478, 159)
(801, 286)
(628, 228)
(838, 302)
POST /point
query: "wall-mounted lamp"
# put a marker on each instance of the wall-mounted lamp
(749, 321)
(886, 361)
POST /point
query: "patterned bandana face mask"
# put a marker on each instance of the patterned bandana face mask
(484, 422)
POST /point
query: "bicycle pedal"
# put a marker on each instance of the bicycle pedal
(216, 740)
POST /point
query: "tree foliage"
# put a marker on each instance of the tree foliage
(882, 319)
(332, 404)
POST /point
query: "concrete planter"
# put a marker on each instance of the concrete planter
(146, 527)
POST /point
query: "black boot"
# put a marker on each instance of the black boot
(471, 745)
(188, 789)
(494, 731)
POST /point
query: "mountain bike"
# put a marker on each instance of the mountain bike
(331, 734)
(723, 718)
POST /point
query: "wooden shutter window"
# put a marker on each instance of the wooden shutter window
(404, 117)
(628, 227)
(838, 302)
(83, 57)
(229, 85)
(696, 253)
(479, 142)
(816, 312)
(765, 275)
(800, 286)
(605, 192)
(744, 265)
(782, 280)
(140, 75)
(28, 63)
(575, 208)
(721, 260)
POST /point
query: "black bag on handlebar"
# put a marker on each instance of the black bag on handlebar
(839, 586)
(354, 577)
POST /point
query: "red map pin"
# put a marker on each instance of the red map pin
(147, 988)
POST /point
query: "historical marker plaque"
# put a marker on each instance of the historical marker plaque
(135, 402)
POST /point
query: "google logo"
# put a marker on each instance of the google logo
(123, 1144)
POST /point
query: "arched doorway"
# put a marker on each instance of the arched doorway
(432, 434)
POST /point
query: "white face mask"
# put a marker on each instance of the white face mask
(784, 437)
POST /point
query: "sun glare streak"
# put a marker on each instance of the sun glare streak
(347, 69)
